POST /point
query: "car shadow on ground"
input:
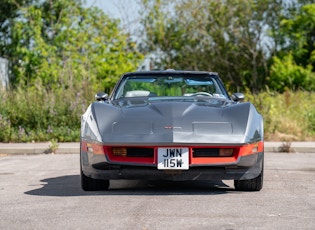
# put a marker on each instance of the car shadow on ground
(70, 186)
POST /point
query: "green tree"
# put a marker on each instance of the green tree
(285, 74)
(8, 11)
(223, 36)
(293, 65)
(62, 44)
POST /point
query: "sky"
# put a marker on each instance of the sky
(125, 10)
(115, 8)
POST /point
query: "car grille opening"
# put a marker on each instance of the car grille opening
(205, 152)
(140, 152)
(212, 152)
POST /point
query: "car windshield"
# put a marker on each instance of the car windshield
(169, 86)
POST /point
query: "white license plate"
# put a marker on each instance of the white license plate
(173, 158)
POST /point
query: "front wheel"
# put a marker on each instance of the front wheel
(90, 184)
(254, 184)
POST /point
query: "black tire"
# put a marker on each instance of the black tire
(90, 184)
(255, 184)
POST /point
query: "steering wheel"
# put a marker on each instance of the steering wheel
(202, 94)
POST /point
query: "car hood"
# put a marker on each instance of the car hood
(176, 121)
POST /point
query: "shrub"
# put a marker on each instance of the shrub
(288, 116)
(286, 74)
(35, 114)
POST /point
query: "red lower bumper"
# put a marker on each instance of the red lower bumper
(149, 156)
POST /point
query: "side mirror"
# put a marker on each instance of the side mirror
(238, 97)
(101, 96)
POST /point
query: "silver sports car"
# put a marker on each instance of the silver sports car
(171, 125)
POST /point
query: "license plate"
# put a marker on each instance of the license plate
(173, 158)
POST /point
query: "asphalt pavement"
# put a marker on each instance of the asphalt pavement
(43, 192)
(74, 148)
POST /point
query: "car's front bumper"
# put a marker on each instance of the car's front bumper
(246, 167)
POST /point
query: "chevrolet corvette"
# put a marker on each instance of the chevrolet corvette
(171, 125)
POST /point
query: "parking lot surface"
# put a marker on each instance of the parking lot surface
(43, 192)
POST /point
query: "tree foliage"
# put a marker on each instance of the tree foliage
(286, 74)
(237, 38)
(8, 11)
(222, 36)
(293, 66)
(62, 44)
